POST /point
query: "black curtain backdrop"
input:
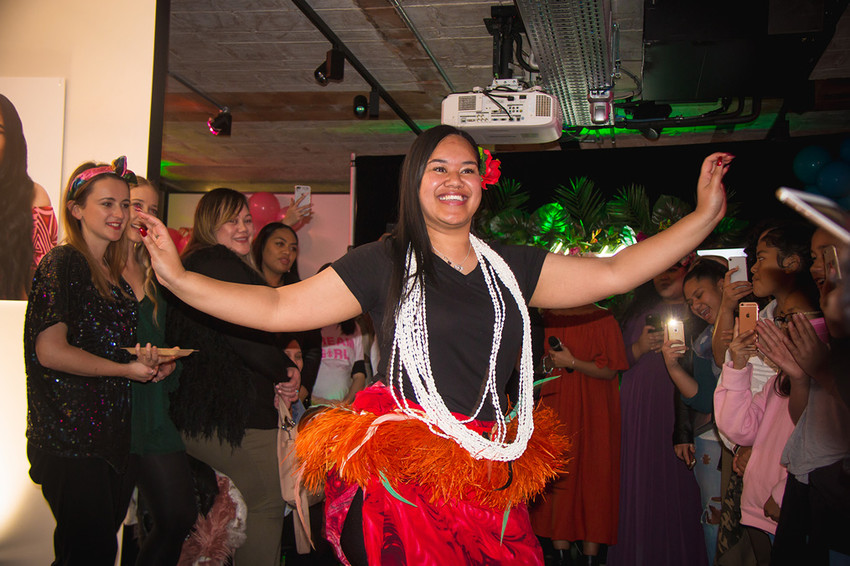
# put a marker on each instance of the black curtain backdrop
(760, 167)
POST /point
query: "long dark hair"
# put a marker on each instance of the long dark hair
(259, 244)
(410, 231)
(792, 238)
(704, 268)
(16, 248)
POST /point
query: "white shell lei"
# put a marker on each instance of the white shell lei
(411, 355)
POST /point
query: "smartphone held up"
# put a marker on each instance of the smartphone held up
(675, 330)
(740, 262)
(748, 316)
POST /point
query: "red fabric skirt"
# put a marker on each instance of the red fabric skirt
(445, 507)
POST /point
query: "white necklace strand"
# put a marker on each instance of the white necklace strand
(411, 355)
(458, 266)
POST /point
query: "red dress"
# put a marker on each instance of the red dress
(583, 504)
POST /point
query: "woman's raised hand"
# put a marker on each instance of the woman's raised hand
(673, 350)
(742, 347)
(296, 213)
(711, 194)
(164, 257)
(733, 292)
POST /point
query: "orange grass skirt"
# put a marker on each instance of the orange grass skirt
(407, 451)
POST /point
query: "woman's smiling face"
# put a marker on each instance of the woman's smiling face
(236, 233)
(143, 198)
(703, 297)
(105, 212)
(450, 190)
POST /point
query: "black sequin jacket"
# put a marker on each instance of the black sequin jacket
(70, 415)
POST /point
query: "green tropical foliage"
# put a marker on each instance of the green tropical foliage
(579, 220)
(630, 207)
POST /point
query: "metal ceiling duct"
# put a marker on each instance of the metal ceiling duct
(570, 42)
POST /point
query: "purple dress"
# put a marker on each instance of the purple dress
(659, 497)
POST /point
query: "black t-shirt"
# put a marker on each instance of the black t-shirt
(460, 319)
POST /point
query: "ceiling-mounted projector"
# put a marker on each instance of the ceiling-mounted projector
(504, 114)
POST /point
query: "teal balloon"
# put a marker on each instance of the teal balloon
(834, 179)
(844, 150)
(808, 163)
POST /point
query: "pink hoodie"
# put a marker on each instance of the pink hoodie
(761, 421)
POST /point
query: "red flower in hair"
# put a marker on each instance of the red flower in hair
(488, 168)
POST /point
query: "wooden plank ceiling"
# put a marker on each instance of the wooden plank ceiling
(257, 57)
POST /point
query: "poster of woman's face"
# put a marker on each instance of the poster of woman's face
(32, 126)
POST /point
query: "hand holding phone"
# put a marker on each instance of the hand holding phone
(675, 331)
(302, 192)
(655, 322)
(740, 262)
(831, 265)
(556, 345)
(748, 316)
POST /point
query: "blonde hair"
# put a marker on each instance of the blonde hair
(214, 209)
(140, 252)
(115, 256)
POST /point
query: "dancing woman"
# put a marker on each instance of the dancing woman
(452, 318)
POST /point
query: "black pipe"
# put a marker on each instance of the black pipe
(320, 24)
(708, 119)
(195, 89)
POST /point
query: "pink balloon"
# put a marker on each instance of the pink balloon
(186, 234)
(176, 236)
(264, 208)
(180, 237)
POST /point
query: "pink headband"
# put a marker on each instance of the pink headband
(118, 168)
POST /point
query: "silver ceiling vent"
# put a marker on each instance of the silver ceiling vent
(570, 42)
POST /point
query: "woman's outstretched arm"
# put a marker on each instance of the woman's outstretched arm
(572, 281)
(313, 303)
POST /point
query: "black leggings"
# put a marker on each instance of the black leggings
(165, 485)
(351, 538)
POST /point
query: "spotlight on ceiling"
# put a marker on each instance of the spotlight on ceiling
(370, 107)
(361, 106)
(220, 125)
(332, 68)
(320, 75)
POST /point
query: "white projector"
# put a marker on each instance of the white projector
(504, 116)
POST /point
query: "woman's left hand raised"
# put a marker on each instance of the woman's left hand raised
(711, 194)
(164, 257)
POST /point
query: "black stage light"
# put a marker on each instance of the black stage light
(321, 75)
(361, 106)
(367, 107)
(220, 125)
(332, 69)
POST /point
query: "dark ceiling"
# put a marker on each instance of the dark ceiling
(258, 58)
